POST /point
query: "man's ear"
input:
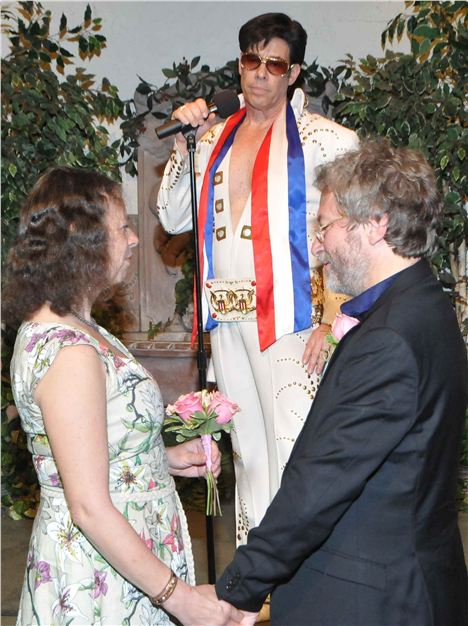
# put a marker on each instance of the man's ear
(377, 229)
(294, 73)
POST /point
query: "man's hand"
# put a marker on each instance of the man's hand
(196, 114)
(317, 350)
(249, 619)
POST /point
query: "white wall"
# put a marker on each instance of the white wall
(145, 36)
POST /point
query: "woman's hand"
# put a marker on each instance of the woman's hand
(188, 459)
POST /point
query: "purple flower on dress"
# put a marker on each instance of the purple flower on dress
(68, 335)
(42, 574)
(32, 342)
(55, 480)
(65, 334)
(118, 362)
(100, 586)
(38, 461)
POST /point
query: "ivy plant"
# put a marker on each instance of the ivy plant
(53, 112)
(417, 100)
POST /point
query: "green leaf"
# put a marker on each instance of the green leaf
(426, 32)
(168, 73)
(452, 197)
(12, 169)
(83, 45)
(400, 29)
(444, 162)
(425, 47)
(63, 23)
(50, 46)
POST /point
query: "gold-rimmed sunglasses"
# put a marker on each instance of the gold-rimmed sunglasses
(275, 65)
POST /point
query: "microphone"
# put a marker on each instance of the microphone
(225, 103)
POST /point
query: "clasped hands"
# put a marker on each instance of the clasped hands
(199, 606)
(230, 613)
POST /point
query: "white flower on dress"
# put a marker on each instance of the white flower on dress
(179, 565)
(130, 594)
(67, 537)
(128, 478)
(63, 607)
(153, 617)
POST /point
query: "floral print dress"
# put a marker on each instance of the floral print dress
(67, 581)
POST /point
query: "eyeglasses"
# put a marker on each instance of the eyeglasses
(320, 234)
(275, 65)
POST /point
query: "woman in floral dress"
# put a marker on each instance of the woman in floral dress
(110, 542)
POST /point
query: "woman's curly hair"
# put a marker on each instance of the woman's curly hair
(61, 253)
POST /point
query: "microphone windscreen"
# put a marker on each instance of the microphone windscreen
(227, 102)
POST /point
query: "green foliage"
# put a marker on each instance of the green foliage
(417, 100)
(18, 475)
(52, 114)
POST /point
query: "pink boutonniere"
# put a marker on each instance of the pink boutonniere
(341, 325)
(202, 414)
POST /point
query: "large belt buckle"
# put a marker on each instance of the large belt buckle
(231, 300)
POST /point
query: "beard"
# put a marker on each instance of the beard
(346, 271)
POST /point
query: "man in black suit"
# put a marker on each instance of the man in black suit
(363, 531)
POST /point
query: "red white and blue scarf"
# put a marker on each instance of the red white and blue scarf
(279, 228)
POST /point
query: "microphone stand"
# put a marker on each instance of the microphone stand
(189, 135)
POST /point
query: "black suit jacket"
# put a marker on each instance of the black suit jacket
(363, 531)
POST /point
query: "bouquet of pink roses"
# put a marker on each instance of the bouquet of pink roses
(203, 414)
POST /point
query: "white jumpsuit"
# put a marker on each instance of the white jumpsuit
(272, 388)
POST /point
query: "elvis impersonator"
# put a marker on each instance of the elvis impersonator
(257, 205)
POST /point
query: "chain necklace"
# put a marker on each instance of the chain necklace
(91, 322)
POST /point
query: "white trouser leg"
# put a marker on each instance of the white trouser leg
(274, 393)
(235, 379)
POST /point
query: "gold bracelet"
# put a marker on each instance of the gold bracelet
(166, 593)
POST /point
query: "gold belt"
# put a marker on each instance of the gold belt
(232, 300)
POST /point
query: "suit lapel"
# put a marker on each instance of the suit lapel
(414, 274)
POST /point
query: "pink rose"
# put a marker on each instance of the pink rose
(224, 408)
(186, 406)
(342, 324)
